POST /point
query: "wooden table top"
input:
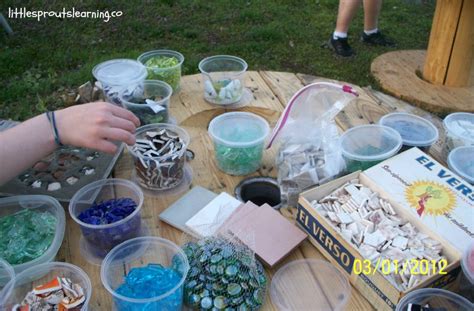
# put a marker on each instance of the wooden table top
(271, 91)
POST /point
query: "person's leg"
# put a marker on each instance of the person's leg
(338, 42)
(371, 34)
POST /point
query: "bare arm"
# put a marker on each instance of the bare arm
(92, 125)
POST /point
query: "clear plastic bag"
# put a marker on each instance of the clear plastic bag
(309, 152)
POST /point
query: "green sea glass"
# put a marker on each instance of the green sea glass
(26, 235)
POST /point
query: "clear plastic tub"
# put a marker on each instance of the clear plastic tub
(364, 146)
(138, 253)
(149, 102)
(7, 274)
(461, 161)
(309, 284)
(435, 298)
(415, 131)
(466, 279)
(119, 75)
(160, 173)
(163, 65)
(100, 239)
(239, 139)
(223, 79)
(43, 273)
(459, 128)
(40, 203)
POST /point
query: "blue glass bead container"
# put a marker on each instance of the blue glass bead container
(100, 239)
(155, 270)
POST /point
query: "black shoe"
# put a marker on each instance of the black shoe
(376, 39)
(340, 46)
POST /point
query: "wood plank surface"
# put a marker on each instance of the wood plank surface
(272, 90)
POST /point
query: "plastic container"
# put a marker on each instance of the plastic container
(223, 79)
(461, 161)
(100, 239)
(168, 74)
(7, 274)
(171, 168)
(364, 146)
(415, 131)
(149, 102)
(41, 203)
(140, 252)
(435, 298)
(43, 273)
(309, 284)
(459, 128)
(466, 279)
(239, 139)
(119, 75)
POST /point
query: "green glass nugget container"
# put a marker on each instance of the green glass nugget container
(239, 139)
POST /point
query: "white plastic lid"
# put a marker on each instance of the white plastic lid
(370, 142)
(309, 284)
(120, 72)
(461, 161)
(467, 262)
(460, 124)
(239, 129)
(415, 131)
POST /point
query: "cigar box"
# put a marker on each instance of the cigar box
(378, 290)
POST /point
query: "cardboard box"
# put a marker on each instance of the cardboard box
(381, 293)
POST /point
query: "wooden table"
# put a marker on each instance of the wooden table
(271, 91)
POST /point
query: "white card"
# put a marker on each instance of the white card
(208, 220)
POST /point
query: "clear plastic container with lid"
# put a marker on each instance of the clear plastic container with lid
(459, 128)
(98, 240)
(25, 281)
(461, 161)
(141, 257)
(364, 146)
(163, 65)
(438, 299)
(415, 131)
(309, 284)
(39, 204)
(7, 274)
(149, 102)
(239, 139)
(119, 75)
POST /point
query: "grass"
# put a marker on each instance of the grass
(45, 59)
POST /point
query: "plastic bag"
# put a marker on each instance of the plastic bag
(309, 152)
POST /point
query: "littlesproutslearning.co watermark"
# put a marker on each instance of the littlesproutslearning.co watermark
(21, 13)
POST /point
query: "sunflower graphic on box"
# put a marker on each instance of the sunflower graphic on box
(430, 198)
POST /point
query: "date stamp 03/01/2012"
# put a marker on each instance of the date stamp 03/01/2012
(412, 266)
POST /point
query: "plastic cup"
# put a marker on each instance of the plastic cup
(43, 273)
(168, 74)
(238, 139)
(461, 161)
(40, 203)
(466, 279)
(459, 128)
(149, 102)
(435, 298)
(364, 146)
(223, 77)
(7, 274)
(309, 284)
(100, 239)
(140, 252)
(119, 75)
(415, 131)
(170, 167)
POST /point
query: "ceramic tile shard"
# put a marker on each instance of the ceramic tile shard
(371, 224)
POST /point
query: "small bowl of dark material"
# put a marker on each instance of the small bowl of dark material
(415, 131)
(259, 190)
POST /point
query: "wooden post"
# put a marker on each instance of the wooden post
(449, 59)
